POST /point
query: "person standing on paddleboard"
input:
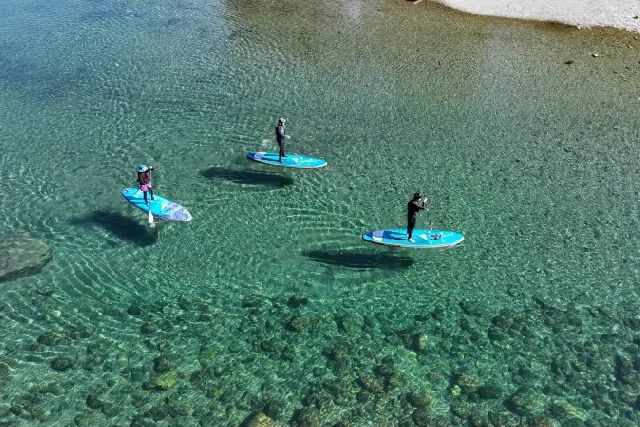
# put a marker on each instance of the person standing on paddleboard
(144, 181)
(414, 206)
(280, 137)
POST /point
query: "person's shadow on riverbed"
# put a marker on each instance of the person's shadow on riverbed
(121, 226)
(359, 259)
(267, 179)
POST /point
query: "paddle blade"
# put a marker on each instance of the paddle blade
(151, 223)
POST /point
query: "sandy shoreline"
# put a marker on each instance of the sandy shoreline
(623, 14)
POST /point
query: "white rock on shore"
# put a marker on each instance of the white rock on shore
(621, 14)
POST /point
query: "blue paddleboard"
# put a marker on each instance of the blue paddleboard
(290, 161)
(424, 239)
(159, 206)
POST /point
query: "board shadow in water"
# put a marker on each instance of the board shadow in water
(359, 259)
(121, 226)
(267, 179)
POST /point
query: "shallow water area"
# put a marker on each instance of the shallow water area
(524, 137)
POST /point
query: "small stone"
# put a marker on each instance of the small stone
(206, 317)
(84, 420)
(346, 324)
(252, 301)
(393, 381)
(496, 334)
(148, 328)
(295, 301)
(438, 313)
(478, 419)
(140, 421)
(471, 308)
(137, 375)
(93, 401)
(568, 62)
(259, 420)
(527, 403)
(371, 383)
(269, 346)
(385, 369)
(165, 380)
(288, 353)
(307, 416)
(420, 417)
(61, 364)
(110, 410)
(595, 55)
(134, 310)
(45, 291)
(490, 391)
(4, 371)
(215, 392)
(298, 323)
(460, 409)
(500, 321)
(468, 383)
(455, 390)
(50, 339)
(161, 364)
(563, 409)
(420, 343)
(418, 400)
(504, 418)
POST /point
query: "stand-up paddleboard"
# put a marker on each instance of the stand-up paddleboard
(290, 161)
(159, 206)
(423, 239)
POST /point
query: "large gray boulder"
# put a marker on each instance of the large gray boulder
(22, 255)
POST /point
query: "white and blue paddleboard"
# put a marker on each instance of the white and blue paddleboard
(290, 161)
(423, 239)
(159, 206)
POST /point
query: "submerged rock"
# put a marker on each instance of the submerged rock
(94, 402)
(61, 364)
(161, 364)
(163, 381)
(468, 383)
(298, 323)
(527, 403)
(563, 409)
(22, 255)
(419, 400)
(259, 420)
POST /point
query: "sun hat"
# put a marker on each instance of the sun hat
(143, 168)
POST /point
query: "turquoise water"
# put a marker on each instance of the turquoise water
(268, 302)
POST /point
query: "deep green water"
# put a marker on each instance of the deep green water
(268, 301)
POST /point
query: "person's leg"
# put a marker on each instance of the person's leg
(411, 223)
(144, 193)
(151, 192)
(281, 152)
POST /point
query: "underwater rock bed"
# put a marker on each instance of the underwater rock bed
(289, 361)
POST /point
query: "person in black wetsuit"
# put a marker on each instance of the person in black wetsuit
(414, 206)
(280, 137)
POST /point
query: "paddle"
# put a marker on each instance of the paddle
(151, 223)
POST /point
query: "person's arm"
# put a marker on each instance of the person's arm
(422, 204)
